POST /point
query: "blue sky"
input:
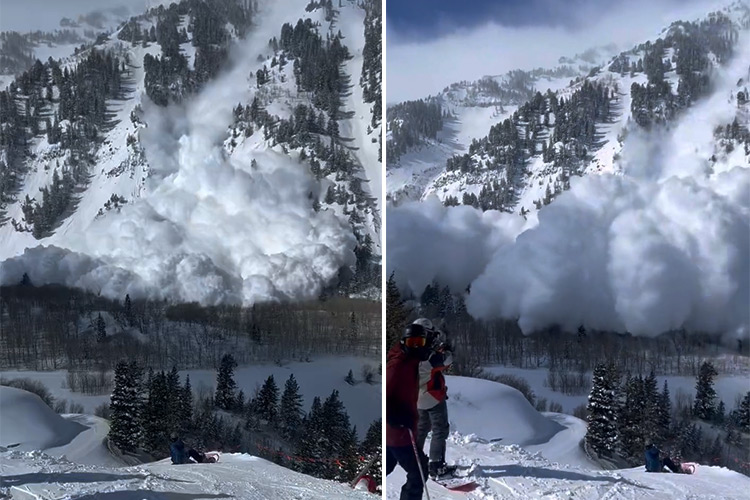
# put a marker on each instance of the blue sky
(429, 18)
(433, 43)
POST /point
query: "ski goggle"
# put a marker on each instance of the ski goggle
(415, 341)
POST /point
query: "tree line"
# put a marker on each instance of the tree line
(54, 327)
(625, 414)
(321, 442)
(482, 343)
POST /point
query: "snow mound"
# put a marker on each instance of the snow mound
(25, 419)
(491, 410)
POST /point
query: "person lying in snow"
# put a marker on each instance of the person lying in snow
(655, 464)
(179, 456)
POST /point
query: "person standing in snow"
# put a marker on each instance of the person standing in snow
(401, 394)
(433, 393)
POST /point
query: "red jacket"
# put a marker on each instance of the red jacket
(401, 394)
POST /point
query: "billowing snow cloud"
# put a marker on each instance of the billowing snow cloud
(666, 245)
(211, 227)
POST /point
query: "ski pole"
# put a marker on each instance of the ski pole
(419, 463)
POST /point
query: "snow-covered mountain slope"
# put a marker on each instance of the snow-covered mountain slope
(555, 467)
(547, 151)
(631, 213)
(197, 179)
(79, 466)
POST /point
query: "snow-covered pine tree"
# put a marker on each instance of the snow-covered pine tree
(156, 417)
(290, 411)
(664, 417)
(650, 421)
(601, 435)
(173, 399)
(267, 405)
(744, 413)
(239, 402)
(309, 447)
(337, 438)
(101, 329)
(225, 384)
(185, 410)
(125, 407)
(705, 395)
(630, 419)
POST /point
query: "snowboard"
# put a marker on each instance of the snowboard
(688, 467)
(457, 483)
(363, 473)
(212, 457)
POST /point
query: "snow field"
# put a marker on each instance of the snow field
(554, 467)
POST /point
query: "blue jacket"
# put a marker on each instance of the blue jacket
(653, 464)
(177, 451)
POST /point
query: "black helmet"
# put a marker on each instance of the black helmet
(414, 341)
(174, 436)
(414, 330)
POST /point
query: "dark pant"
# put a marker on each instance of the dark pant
(672, 466)
(436, 420)
(404, 456)
(197, 456)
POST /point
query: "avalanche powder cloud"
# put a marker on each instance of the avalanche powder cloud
(666, 245)
(211, 227)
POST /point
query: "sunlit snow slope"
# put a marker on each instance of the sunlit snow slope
(58, 458)
(539, 457)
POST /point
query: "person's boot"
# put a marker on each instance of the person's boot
(440, 469)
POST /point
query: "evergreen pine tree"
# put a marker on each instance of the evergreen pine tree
(125, 408)
(310, 443)
(174, 396)
(291, 410)
(186, 406)
(601, 435)
(396, 313)
(705, 395)
(664, 417)
(744, 413)
(239, 404)
(268, 401)
(225, 384)
(650, 421)
(101, 329)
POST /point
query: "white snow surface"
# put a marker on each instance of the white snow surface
(64, 457)
(202, 222)
(27, 420)
(555, 468)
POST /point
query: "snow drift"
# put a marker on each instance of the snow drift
(27, 420)
(490, 410)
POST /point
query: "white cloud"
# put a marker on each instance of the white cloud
(420, 68)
